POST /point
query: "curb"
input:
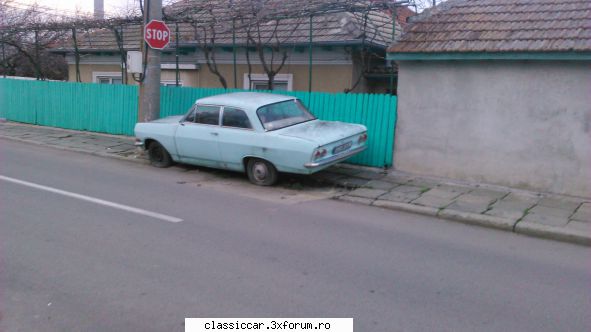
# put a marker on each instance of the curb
(483, 220)
(478, 219)
(413, 208)
(552, 233)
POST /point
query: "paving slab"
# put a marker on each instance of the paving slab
(367, 193)
(433, 201)
(583, 213)
(525, 198)
(513, 206)
(399, 178)
(489, 193)
(545, 219)
(380, 184)
(445, 192)
(508, 209)
(397, 196)
(467, 207)
(565, 203)
(473, 203)
(424, 183)
(406, 189)
(554, 212)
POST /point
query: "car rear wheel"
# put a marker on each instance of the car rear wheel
(158, 155)
(261, 172)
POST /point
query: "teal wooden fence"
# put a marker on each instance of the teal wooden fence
(113, 109)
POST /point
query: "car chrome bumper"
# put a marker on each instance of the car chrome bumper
(138, 143)
(335, 159)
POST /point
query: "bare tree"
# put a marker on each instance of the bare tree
(420, 5)
(270, 44)
(206, 37)
(25, 53)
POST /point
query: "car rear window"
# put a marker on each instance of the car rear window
(283, 114)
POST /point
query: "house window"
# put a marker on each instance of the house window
(282, 82)
(170, 83)
(107, 77)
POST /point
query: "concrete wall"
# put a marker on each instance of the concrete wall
(519, 124)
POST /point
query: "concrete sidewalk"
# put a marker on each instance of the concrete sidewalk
(558, 217)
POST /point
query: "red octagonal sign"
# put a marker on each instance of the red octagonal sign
(157, 34)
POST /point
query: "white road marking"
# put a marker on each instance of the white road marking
(93, 200)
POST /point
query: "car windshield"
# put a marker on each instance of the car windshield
(283, 114)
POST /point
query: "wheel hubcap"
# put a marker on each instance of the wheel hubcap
(260, 171)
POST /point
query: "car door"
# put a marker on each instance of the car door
(237, 138)
(197, 136)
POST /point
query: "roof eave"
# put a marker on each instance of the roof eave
(354, 42)
(447, 56)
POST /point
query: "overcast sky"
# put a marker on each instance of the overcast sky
(71, 6)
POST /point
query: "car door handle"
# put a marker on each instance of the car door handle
(214, 134)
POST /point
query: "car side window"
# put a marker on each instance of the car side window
(233, 117)
(191, 114)
(209, 115)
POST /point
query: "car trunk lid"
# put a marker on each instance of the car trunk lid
(322, 132)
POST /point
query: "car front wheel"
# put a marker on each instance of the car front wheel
(158, 155)
(261, 172)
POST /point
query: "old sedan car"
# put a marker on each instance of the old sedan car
(259, 133)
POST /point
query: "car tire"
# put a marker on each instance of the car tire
(158, 155)
(261, 172)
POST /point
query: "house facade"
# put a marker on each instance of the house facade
(498, 93)
(334, 52)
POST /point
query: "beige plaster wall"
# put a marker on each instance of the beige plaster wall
(326, 78)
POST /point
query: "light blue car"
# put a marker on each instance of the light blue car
(259, 133)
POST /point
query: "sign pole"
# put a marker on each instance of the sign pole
(150, 87)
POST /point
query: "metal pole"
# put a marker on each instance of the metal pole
(150, 96)
(4, 61)
(76, 54)
(37, 65)
(234, 51)
(176, 55)
(394, 14)
(310, 57)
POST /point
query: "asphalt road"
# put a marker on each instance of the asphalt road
(93, 244)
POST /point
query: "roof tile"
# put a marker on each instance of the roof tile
(500, 26)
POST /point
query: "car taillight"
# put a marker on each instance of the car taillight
(362, 138)
(319, 153)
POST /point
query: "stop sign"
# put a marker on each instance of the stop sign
(157, 34)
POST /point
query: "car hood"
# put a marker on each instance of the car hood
(169, 119)
(322, 132)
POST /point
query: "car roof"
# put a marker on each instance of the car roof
(244, 100)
